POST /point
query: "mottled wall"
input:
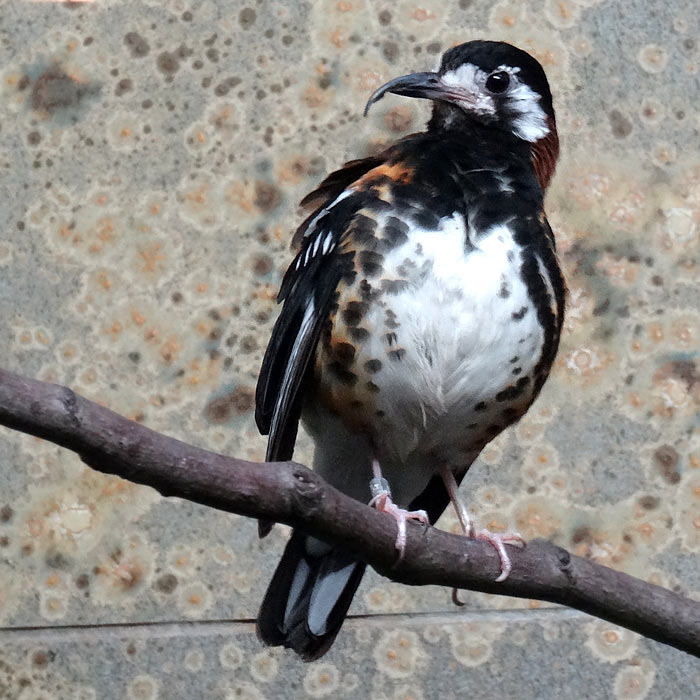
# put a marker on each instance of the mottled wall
(152, 155)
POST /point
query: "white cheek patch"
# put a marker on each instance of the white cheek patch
(530, 124)
(471, 79)
(529, 120)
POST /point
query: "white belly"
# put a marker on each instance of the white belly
(460, 321)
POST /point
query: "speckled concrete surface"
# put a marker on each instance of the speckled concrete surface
(152, 157)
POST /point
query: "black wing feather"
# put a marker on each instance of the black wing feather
(308, 290)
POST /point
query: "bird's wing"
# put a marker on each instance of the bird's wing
(330, 189)
(308, 291)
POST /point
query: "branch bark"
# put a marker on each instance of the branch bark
(290, 493)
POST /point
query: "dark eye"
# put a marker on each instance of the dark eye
(498, 81)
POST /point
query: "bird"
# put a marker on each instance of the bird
(420, 317)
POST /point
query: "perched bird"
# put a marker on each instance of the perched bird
(421, 317)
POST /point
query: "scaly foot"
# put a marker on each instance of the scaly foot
(382, 502)
(498, 542)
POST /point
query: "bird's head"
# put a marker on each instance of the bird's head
(493, 84)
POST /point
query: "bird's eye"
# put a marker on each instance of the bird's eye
(498, 81)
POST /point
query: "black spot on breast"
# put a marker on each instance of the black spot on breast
(394, 286)
(373, 366)
(343, 375)
(363, 228)
(354, 312)
(504, 291)
(510, 255)
(427, 219)
(390, 338)
(396, 355)
(371, 386)
(519, 314)
(349, 277)
(514, 359)
(367, 292)
(406, 267)
(513, 391)
(359, 333)
(517, 371)
(390, 320)
(394, 233)
(344, 353)
(371, 262)
(380, 414)
(481, 406)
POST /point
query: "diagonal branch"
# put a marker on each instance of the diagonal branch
(290, 493)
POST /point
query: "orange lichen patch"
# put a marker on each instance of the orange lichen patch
(137, 317)
(338, 37)
(266, 292)
(422, 14)
(676, 385)
(472, 643)
(115, 487)
(536, 517)
(653, 58)
(589, 188)
(314, 97)
(53, 580)
(563, 14)
(292, 170)
(121, 571)
(619, 270)
(241, 194)
(198, 195)
(103, 280)
(368, 80)
(170, 349)
(114, 330)
(68, 351)
(152, 257)
(397, 653)
(588, 364)
(203, 327)
(609, 643)
(322, 680)
(627, 212)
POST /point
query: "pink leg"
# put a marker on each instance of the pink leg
(497, 540)
(381, 500)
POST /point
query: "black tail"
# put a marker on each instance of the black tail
(308, 597)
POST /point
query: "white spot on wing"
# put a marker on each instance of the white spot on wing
(328, 244)
(304, 329)
(325, 210)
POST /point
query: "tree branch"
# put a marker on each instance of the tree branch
(290, 493)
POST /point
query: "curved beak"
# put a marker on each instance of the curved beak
(428, 86)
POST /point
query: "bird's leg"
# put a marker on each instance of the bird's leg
(381, 500)
(496, 540)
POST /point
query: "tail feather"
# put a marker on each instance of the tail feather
(308, 597)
